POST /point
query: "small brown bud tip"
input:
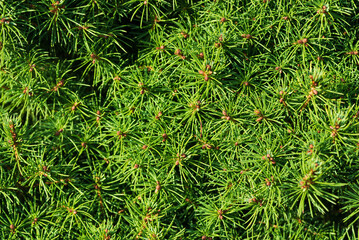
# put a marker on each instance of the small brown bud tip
(183, 57)
(12, 226)
(285, 18)
(246, 83)
(224, 112)
(206, 78)
(281, 93)
(158, 187)
(177, 163)
(248, 36)
(83, 145)
(165, 135)
(35, 219)
(220, 217)
(259, 119)
(264, 157)
(119, 133)
(144, 147)
(273, 162)
(142, 92)
(75, 212)
(220, 212)
(311, 146)
(268, 155)
(299, 41)
(305, 40)
(277, 68)
(204, 237)
(183, 155)
(162, 47)
(178, 52)
(236, 144)
(223, 20)
(200, 72)
(315, 92)
(257, 112)
(145, 3)
(201, 55)
(98, 112)
(136, 166)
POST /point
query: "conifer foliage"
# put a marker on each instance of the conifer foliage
(179, 119)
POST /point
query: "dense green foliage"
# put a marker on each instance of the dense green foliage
(179, 119)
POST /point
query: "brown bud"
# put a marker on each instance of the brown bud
(12, 227)
(257, 112)
(223, 20)
(259, 119)
(200, 72)
(305, 40)
(136, 166)
(83, 144)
